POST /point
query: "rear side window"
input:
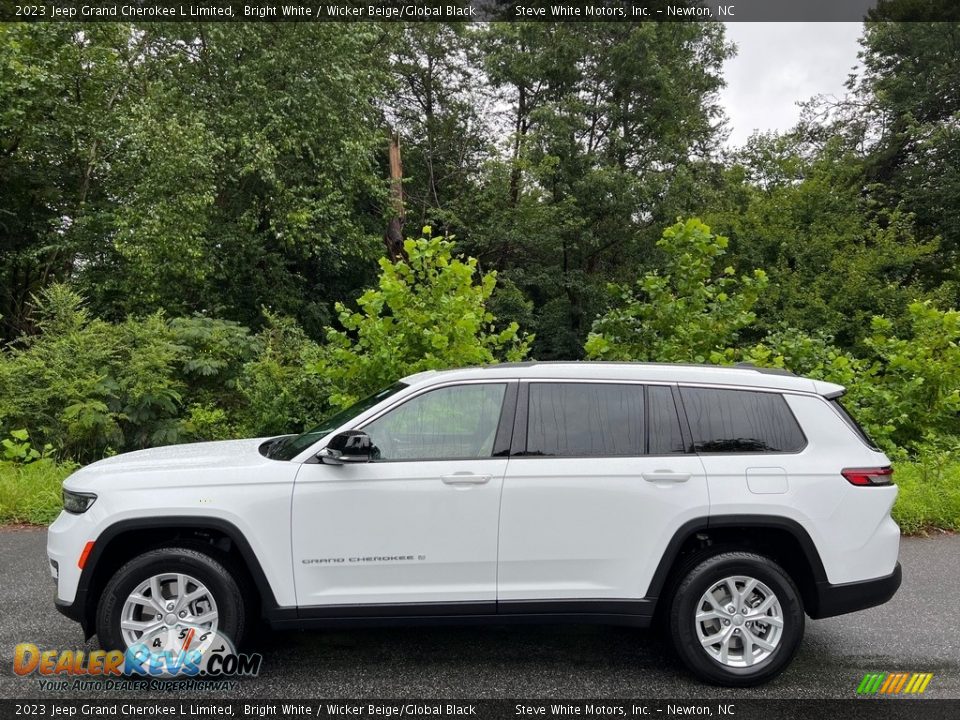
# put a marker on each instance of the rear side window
(663, 422)
(854, 425)
(585, 420)
(740, 421)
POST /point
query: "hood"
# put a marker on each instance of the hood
(192, 457)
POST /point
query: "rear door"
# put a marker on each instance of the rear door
(599, 480)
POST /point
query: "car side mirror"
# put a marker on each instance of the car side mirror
(350, 446)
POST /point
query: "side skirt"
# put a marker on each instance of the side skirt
(630, 613)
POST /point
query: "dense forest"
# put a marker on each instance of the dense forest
(194, 220)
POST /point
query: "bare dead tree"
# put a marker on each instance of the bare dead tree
(393, 238)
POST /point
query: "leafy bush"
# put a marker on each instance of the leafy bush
(429, 312)
(905, 391)
(917, 376)
(282, 388)
(212, 354)
(684, 314)
(17, 448)
(84, 385)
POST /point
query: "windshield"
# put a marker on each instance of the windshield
(290, 447)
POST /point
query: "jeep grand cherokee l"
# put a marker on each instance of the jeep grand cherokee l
(723, 504)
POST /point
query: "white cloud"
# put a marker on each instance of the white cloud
(780, 64)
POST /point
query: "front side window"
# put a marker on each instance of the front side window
(457, 422)
(740, 421)
(585, 420)
(290, 447)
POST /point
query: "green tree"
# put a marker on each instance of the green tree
(601, 116)
(426, 314)
(209, 168)
(438, 109)
(904, 387)
(906, 112)
(835, 256)
(684, 314)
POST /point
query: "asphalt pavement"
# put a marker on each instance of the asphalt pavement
(917, 631)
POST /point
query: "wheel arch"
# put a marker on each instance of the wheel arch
(125, 539)
(782, 539)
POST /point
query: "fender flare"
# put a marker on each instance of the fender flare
(80, 609)
(713, 522)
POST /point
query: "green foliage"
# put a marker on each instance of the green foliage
(17, 448)
(919, 375)
(426, 313)
(209, 170)
(928, 493)
(834, 257)
(30, 493)
(86, 386)
(684, 314)
(905, 390)
(911, 126)
(282, 389)
(602, 116)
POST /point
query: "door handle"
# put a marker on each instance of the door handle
(665, 476)
(465, 479)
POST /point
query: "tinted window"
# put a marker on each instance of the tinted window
(451, 422)
(663, 421)
(287, 448)
(585, 419)
(740, 421)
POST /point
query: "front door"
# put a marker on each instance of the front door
(417, 525)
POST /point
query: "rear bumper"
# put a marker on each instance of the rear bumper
(849, 597)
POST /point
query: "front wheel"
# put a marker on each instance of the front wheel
(170, 598)
(736, 619)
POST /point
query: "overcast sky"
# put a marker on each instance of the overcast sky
(779, 64)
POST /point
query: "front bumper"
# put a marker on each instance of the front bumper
(844, 598)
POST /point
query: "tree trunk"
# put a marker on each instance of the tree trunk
(393, 238)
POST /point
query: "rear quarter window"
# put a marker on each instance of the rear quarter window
(741, 421)
(853, 424)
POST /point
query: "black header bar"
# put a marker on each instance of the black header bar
(140, 11)
(260, 709)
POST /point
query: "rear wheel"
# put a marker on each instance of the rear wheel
(736, 619)
(168, 597)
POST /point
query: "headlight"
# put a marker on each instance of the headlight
(77, 502)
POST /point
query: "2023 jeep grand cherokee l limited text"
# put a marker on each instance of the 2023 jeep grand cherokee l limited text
(720, 503)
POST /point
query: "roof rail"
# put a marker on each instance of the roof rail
(764, 370)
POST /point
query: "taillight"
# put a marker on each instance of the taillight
(869, 477)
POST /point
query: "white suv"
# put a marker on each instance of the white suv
(721, 503)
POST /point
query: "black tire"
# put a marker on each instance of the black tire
(223, 582)
(683, 626)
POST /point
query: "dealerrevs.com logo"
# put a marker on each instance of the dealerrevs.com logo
(210, 656)
(899, 683)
